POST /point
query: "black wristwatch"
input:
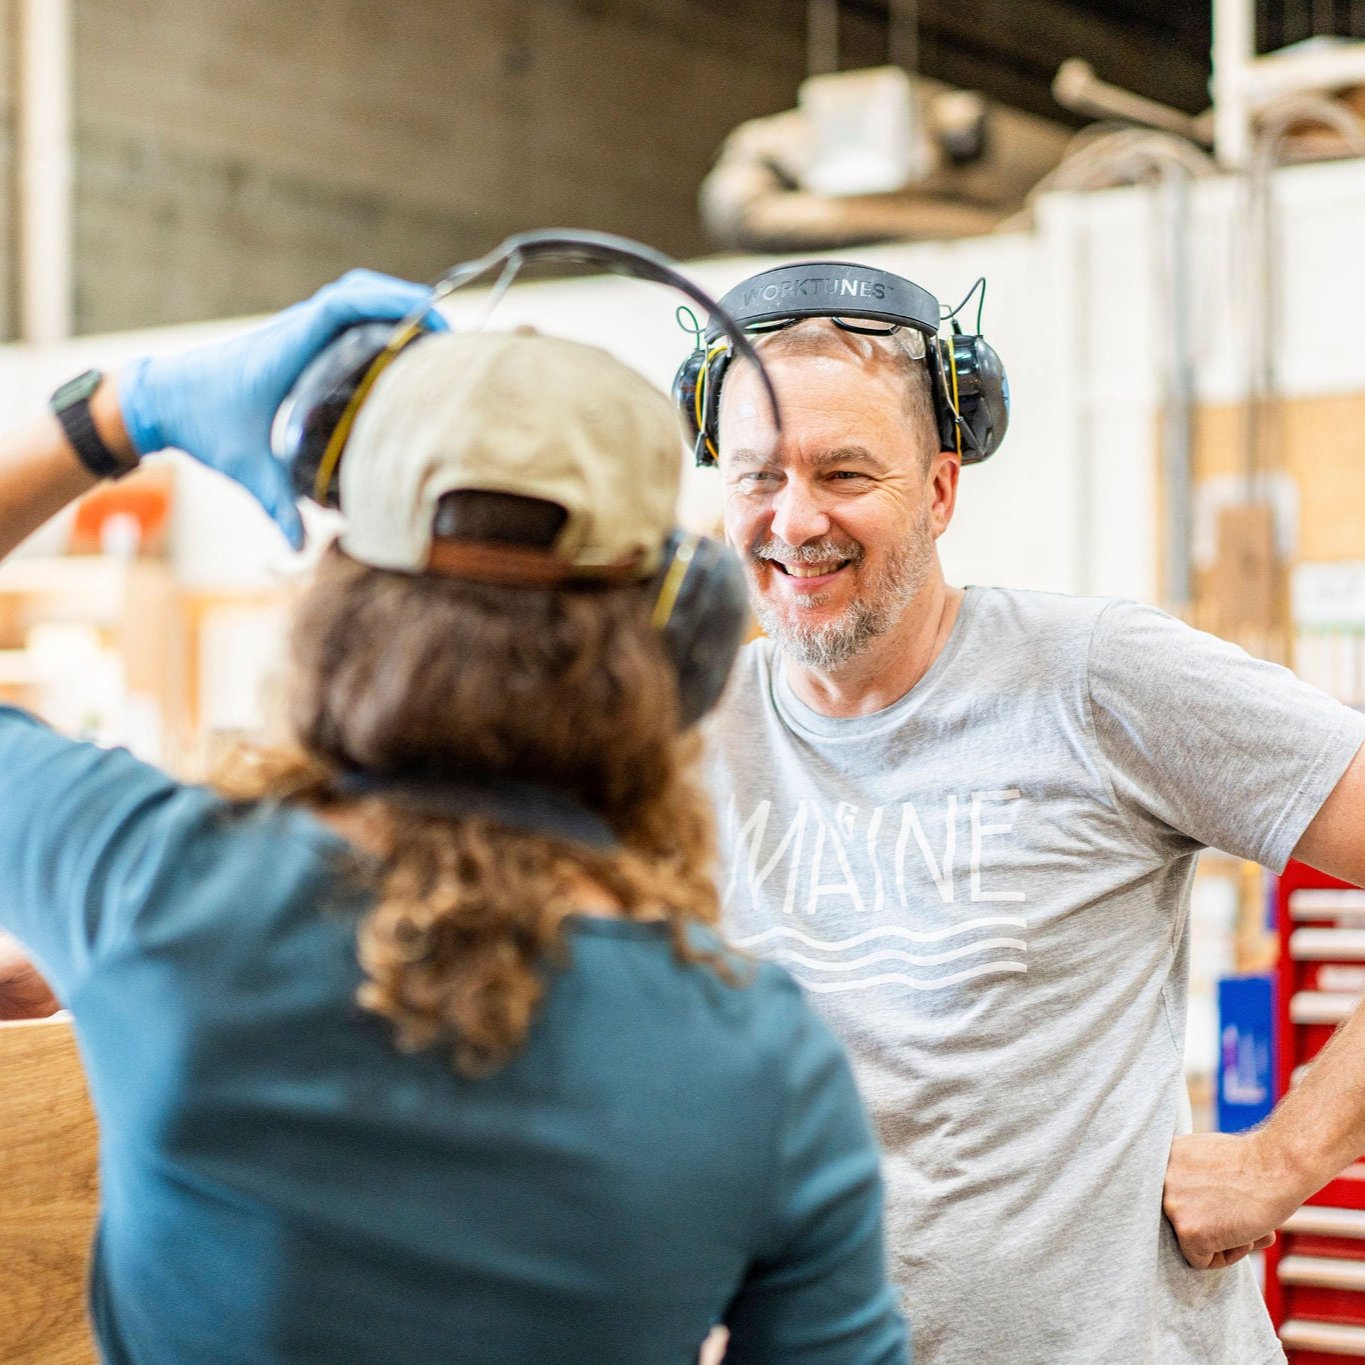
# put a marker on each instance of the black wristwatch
(71, 404)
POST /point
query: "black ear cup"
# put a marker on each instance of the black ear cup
(972, 393)
(992, 415)
(702, 612)
(696, 391)
(685, 386)
(321, 398)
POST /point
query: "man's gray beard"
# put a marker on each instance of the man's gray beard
(829, 646)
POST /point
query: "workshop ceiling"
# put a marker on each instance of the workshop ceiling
(1011, 49)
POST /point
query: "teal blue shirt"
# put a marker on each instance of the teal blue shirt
(280, 1185)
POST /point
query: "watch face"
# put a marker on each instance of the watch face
(76, 390)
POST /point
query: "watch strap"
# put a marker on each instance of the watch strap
(79, 426)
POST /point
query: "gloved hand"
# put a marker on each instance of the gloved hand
(217, 402)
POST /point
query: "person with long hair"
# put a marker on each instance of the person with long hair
(412, 1039)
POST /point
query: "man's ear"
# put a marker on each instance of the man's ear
(944, 469)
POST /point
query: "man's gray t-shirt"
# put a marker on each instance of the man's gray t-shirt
(985, 889)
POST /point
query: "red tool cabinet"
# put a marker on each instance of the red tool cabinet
(1315, 1273)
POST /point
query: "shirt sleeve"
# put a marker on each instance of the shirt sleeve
(819, 1295)
(85, 835)
(1206, 746)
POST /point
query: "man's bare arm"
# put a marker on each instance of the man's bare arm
(1335, 841)
(1227, 1191)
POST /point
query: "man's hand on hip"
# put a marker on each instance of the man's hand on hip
(1223, 1199)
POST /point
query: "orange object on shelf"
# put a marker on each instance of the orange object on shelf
(129, 516)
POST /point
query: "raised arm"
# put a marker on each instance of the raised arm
(215, 402)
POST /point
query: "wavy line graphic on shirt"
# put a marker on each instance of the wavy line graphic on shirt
(867, 983)
(896, 955)
(886, 931)
(782, 939)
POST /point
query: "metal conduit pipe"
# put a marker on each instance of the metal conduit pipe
(1109, 155)
(1177, 408)
(1260, 438)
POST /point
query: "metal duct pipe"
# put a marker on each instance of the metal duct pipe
(1076, 87)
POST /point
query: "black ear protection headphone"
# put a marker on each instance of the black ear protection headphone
(700, 605)
(970, 391)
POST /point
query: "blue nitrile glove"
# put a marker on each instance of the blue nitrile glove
(217, 402)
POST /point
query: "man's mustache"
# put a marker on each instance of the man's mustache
(813, 552)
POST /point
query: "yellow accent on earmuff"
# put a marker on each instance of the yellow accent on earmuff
(699, 397)
(673, 581)
(336, 443)
(957, 411)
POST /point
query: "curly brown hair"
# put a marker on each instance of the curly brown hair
(431, 677)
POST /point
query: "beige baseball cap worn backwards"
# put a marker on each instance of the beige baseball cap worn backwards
(513, 413)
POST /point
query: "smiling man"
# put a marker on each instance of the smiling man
(839, 525)
(967, 821)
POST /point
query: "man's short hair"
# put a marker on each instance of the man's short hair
(904, 348)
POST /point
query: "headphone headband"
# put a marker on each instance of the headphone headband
(822, 289)
(621, 256)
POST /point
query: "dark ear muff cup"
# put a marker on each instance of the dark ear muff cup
(991, 415)
(321, 397)
(685, 385)
(975, 411)
(701, 610)
(696, 391)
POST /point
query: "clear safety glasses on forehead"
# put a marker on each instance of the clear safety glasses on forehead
(912, 338)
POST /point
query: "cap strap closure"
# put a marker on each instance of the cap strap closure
(518, 566)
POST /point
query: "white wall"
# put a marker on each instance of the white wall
(1074, 308)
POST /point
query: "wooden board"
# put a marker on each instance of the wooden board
(48, 1196)
(1320, 443)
